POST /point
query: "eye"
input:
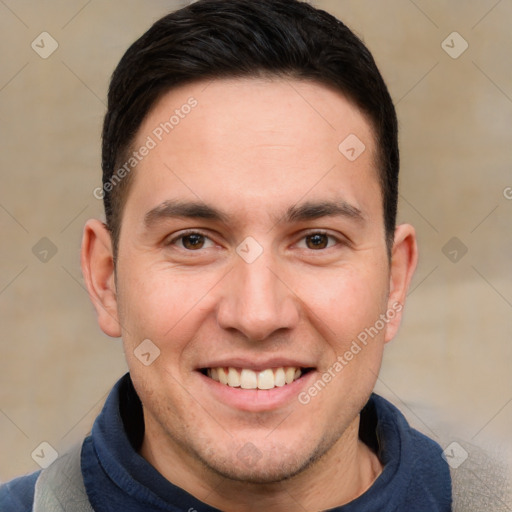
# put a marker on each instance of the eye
(318, 240)
(192, 241)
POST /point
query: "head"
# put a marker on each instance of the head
(255, 230)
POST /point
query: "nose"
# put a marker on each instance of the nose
(257, 301)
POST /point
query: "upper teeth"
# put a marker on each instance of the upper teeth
(249, 379)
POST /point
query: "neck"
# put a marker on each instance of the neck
(345, 472)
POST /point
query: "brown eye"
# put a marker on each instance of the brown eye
(193, 241)
(317, 241)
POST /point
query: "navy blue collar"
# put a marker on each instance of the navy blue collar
(415, 477)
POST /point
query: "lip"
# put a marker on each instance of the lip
(255, 365)
(254, 400)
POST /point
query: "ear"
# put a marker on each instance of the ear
(98, 270)
(404, 258)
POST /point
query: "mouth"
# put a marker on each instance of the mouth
(248, 379)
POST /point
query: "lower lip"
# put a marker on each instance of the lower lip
(256, 400)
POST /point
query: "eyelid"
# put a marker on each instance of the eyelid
(172, 239)
(340, 240)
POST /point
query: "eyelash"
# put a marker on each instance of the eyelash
(184, 235)
(198, 232)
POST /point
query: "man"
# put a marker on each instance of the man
(251, 263)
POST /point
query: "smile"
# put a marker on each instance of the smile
(246, 378)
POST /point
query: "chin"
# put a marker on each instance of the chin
(268, 472)
(265, 465)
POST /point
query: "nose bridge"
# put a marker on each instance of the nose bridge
(257, 302)
(259, 287)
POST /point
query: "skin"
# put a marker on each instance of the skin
(253, 148)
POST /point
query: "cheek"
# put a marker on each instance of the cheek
(344, 301)
(162, 305)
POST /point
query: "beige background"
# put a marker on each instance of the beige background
(449, 369)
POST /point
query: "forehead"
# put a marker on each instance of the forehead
(260, 141)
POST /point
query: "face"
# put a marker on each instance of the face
(252, 251)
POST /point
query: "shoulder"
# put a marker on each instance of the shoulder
(481, 477)
(18, 494)
(431, 474)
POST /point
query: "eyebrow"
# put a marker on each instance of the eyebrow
(190, 210)
(310, 210)
(316, 210)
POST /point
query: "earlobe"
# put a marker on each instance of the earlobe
(404, 258)
(98, 270)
